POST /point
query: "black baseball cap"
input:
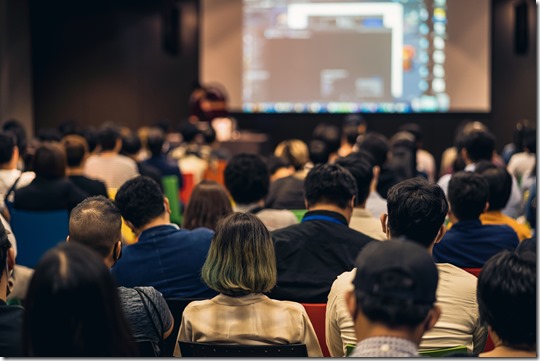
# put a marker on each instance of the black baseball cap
(398, 270)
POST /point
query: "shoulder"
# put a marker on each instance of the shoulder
(122, 159)
(455, 275)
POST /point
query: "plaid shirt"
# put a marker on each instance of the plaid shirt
(385, 347)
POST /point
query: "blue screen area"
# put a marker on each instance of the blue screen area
(344, 56)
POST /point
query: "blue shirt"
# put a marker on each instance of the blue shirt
(169, 259)
(469, 244)
(166, 167)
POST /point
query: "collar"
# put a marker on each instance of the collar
(152, 232)
(327, 216)
(248, 299)
(467, 224)
(381, 345)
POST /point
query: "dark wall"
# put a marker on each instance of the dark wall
(104, 60)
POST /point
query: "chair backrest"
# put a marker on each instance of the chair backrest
(440, 352)
(187, 189)
(299, 213)
(194, 349)
(171, 191)
(317, 316)
(145, 348)
(37, 232)
(216, 171)
(473, 271)
(176, 306)
(127, 233)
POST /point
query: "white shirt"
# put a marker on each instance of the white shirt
(114, 170)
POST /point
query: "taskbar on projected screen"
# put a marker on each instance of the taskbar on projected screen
(399, 107)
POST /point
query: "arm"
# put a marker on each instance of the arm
(164, 313)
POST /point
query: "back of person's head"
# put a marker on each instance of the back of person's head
(208, 203)
(395, 283)
(362, 171)
(329, 184)
(500, 184)
(507, 298)
(49, 135)
(76, 148)
(330, 135)
(140, 200)
(365, 156)
(247, 178)
(50, 161)
(16, 128)
(468, 194)
(72, 308)
(479, 145)
(416, 210)
(318, 151)
(189, 132)
(96, 223)
(155, 141)
(241, 257)
(353, 126)
(415, 130)
(209, 135)
(91, 136)
(7, 145)
(131, 144)
(274, 164)
(529, 140)
(527, 245)
(377, 145)
(108, 136)
(294, 151)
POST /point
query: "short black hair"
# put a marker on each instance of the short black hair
(500, 184)
(329, 134)
(331, 184)
(414, 129)
(377, 145)
(155, 141)
(140, 200)
(479, 145)
(7, 143)
(506, 297)
(76, 148)
(108, 134)
(189, 132)
(416, 210)
(16, 128)
(318, 151)
(468, 194)
(362, 171)
(273, 164)
(247, 178)
(529, 139)
(131, 144)
(50, 161)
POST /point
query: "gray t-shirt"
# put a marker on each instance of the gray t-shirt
(137, 316)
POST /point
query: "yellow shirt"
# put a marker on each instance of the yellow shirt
(497, 217)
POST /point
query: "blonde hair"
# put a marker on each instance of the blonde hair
(241, 258)
(294, 151)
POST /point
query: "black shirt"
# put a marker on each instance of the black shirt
(48, 195)
(310, 256)
(11, 318)
(93, 187)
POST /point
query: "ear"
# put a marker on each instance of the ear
(384, 220)
(118, 250)
(167, 205)
(351, 202)
(306, 203)
(11, 259)
(67, 238)
(440, 234)
(350, 301)
(432, 317)
(486, 207)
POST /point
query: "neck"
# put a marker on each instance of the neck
(162, 220)
(75, 171)
(108, 153)
(379, 330)
(332, 208)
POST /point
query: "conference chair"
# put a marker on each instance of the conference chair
(176, 306)
(145, 348)
(317, 315)
(194, 349)
(473, 271)
(299, 213)
(187, 189)
(37, 232)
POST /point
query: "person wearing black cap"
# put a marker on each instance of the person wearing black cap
(393, 301)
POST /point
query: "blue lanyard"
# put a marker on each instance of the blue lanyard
(320, 217)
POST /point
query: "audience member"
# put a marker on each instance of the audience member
(208, 203)
(521, 126)
(402, 159)
(50, 189)
(11, 317)
(76, 149)
(97, 223)
(248, 181)
(132, 148)
(523, 162)
(73, 308)
(393, 300)
(18, 130)
(158, 159)
(416, 211)
(318, 152)
(500, 187)
(191, 155)
(288, 192)
(425, 162)
(361, 219)
(108, 165)
(278, 168)
(310, 255)
(165, 257)
(241, 266)
(354, 126)
(469, 243)
(507, 303)
(331, 136)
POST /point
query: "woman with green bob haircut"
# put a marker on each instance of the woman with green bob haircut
(241, 265)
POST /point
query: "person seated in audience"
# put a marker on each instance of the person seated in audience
(51, 189)
(97, 224)
(132, 148)
(165, 257)
(208, 203)
(76, 149)
(425, 162)
(318, 152)
(393, 300)
(10, 177)
(241, 266)
(416, 211)
(361, 219)
(507, 303)
(108, 165)
(354, 126)
(11, 317)
(310, 255)
(191, 155)
(167, 167)
(469, 244)
(477, 146)
(288, 192)
(248, 181)
(17, 129)
(523, 162)
(73, 308)
(500, 187)
(278, 168)
(331, 136)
